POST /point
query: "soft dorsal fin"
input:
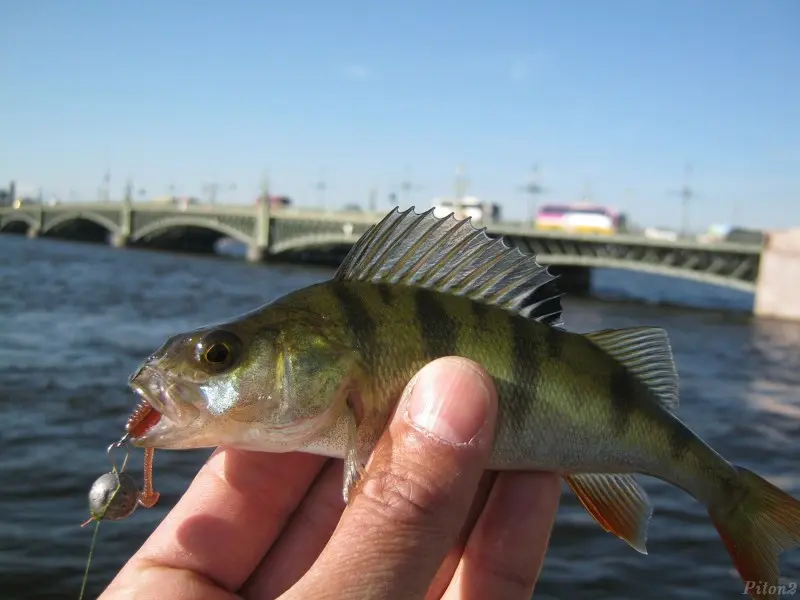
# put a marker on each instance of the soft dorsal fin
(452, 256)
(645, 352)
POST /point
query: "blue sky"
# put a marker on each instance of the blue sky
(611, 97)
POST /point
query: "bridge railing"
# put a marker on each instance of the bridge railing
(344, 216)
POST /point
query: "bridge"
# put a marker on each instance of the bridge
(285, 232)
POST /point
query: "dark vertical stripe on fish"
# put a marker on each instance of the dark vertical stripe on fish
(386, 293)
(438, 329)
(553, 344)
(623, 396)
(356, 313)
(526, 367)
(480, 313)
(680, 440)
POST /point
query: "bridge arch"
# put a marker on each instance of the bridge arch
(643, 267)
(11, 222)
(164, 225)
(309, 242)
(93, 217)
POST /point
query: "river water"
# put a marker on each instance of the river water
(76, 319)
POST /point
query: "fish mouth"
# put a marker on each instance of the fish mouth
(164, 406)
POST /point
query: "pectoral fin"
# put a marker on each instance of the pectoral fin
(364, 428)
(618, 504)
(353, 460)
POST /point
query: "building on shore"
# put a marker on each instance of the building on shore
(8, 195)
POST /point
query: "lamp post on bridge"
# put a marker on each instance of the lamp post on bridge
(212, 190)
(321, 186)
(257, 251)
(407, 187)
(121, 237)
(533, 189)
(687, 195)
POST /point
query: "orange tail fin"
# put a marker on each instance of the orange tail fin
(762, 524)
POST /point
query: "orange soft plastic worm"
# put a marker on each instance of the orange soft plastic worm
(143, 418)
(149, 496)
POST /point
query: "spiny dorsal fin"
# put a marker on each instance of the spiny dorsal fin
(646, 353)
(617, 503)
(452, 256)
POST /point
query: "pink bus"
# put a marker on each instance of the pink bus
(580, 218)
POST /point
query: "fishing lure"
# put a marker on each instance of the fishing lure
(115, 495)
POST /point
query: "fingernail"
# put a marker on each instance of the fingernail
(449, 400)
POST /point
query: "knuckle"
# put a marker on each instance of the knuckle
(503, 566)
(407, 494)
(505, 577)
(323, 514)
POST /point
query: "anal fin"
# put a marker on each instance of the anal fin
(618, 504)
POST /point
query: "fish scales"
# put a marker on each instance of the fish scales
(544, 376)
(321, 369)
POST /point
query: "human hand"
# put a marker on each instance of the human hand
(427, 521)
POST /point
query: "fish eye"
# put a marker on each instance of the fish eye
(217, 350)
(217, 353)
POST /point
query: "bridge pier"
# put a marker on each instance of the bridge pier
(256, 253)
(119, 240)
(575, 281)
(778, 274)
(32, 233)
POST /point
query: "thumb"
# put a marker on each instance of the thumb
(417, 491)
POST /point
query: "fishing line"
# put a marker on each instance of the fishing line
(98, 513)
(89, 560)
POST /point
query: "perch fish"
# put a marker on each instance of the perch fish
(321, 369)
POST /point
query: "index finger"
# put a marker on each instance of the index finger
(239, 501)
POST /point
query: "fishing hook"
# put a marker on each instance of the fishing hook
(120, 443)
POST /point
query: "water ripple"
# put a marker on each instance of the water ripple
(77, 319)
